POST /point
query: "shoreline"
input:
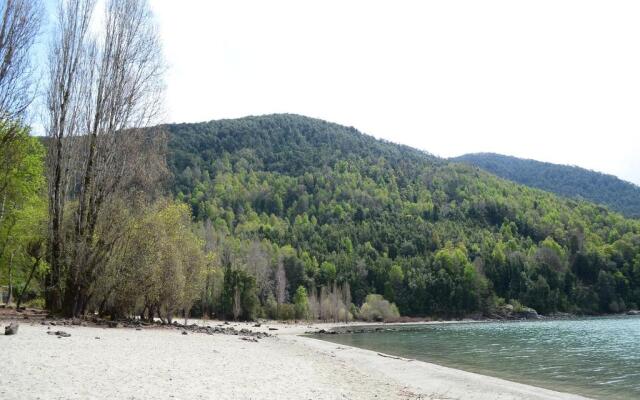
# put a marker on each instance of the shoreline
(159, 363)
(435, 380)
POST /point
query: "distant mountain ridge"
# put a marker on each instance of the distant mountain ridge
(564, 180)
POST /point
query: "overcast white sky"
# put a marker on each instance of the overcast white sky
(556, 81)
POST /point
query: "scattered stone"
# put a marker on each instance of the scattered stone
(138, 329)
(12, 329)
(508, 311)
(249, 339)
(560, 315)
(257, 325)
(98, 337)
(59, 334)
(527, 313)
(273, 329)
(633, 312)
(220, 329)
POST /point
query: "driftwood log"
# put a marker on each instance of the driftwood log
(394, 357)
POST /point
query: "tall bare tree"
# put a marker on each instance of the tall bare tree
(258, 262)
(104, 87)
(20, 25)
(65, 98)
(281, 282)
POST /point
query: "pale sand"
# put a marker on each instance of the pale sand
(164, 364)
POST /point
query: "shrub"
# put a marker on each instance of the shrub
(286, 311)
(270, 309)
(517, 306)
(355, 312)
(344, 315)
(37, 302)
(376, 308)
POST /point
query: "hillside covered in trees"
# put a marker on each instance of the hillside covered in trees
(564, 180)
(288, 205)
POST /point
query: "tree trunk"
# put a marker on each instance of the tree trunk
(10, 278)
(103, 306)
(205, 297)
(4, 197)
(52, 279)
(26, 284)
(74, 298)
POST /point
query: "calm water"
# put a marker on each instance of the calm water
(595, 357)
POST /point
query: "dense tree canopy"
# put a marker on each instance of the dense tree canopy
(564, 180)
(435, 237)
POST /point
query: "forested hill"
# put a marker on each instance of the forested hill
(438, 238)
(569, 181)
(282, 143)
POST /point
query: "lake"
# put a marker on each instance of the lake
(596, 357)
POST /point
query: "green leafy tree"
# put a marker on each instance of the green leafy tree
(22, 204)
(301, 303)
(328, 272)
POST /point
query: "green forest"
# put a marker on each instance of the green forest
(564, 180)
(284, 216)
(437, 238)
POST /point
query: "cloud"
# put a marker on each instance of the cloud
(553, 81)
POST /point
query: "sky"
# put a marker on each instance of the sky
(555, 81)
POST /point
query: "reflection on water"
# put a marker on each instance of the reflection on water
(596, 357)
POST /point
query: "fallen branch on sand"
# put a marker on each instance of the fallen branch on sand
(394, 357)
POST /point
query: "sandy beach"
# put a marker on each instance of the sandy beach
(159, 363)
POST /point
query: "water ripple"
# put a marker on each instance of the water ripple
(597, 357)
